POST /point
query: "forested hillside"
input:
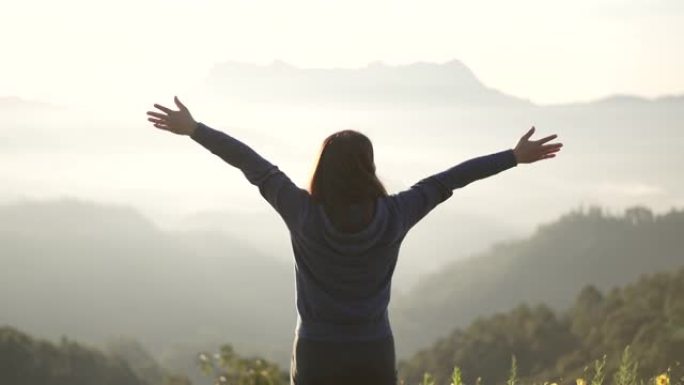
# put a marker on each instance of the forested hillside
(28, 361)
(97, 271)
(647, 316)
(583, 247)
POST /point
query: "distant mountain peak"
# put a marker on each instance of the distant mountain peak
(417, 83)
(454, 62)
(277, 63)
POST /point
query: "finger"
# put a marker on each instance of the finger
(154, 120)
(553, 145)
(549, 151)
(160, 123)
(162, 126)
(167, 110)
(548, 156)
(156, 114)
(544, 140)
(179, 104)
(529, 133)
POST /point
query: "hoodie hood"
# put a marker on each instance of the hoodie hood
(357, 243)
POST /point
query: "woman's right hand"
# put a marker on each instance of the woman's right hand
(528, 151)
(179, 122)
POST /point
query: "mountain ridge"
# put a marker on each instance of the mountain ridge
(449, 70)
(550, 266)
(448, 67)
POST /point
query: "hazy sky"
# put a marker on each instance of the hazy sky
(547, 51)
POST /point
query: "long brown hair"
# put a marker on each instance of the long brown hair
(345, 174)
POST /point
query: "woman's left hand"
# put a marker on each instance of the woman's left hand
(179, 122)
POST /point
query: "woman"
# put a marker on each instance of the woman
(346, 232)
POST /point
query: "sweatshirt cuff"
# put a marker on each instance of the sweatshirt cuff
(507, 157)
(511, 154)
(198, 132)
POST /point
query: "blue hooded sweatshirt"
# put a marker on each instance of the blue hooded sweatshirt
(343, 280)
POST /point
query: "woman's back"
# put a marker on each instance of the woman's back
(343, 278)
(351, 218)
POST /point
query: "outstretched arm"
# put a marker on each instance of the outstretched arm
(426, 194)
(274, 185)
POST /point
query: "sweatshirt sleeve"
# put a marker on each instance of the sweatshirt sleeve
(414, 203)
(274, 185)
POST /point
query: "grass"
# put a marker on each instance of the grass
(625, 374)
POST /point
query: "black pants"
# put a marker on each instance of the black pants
(350, 363)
